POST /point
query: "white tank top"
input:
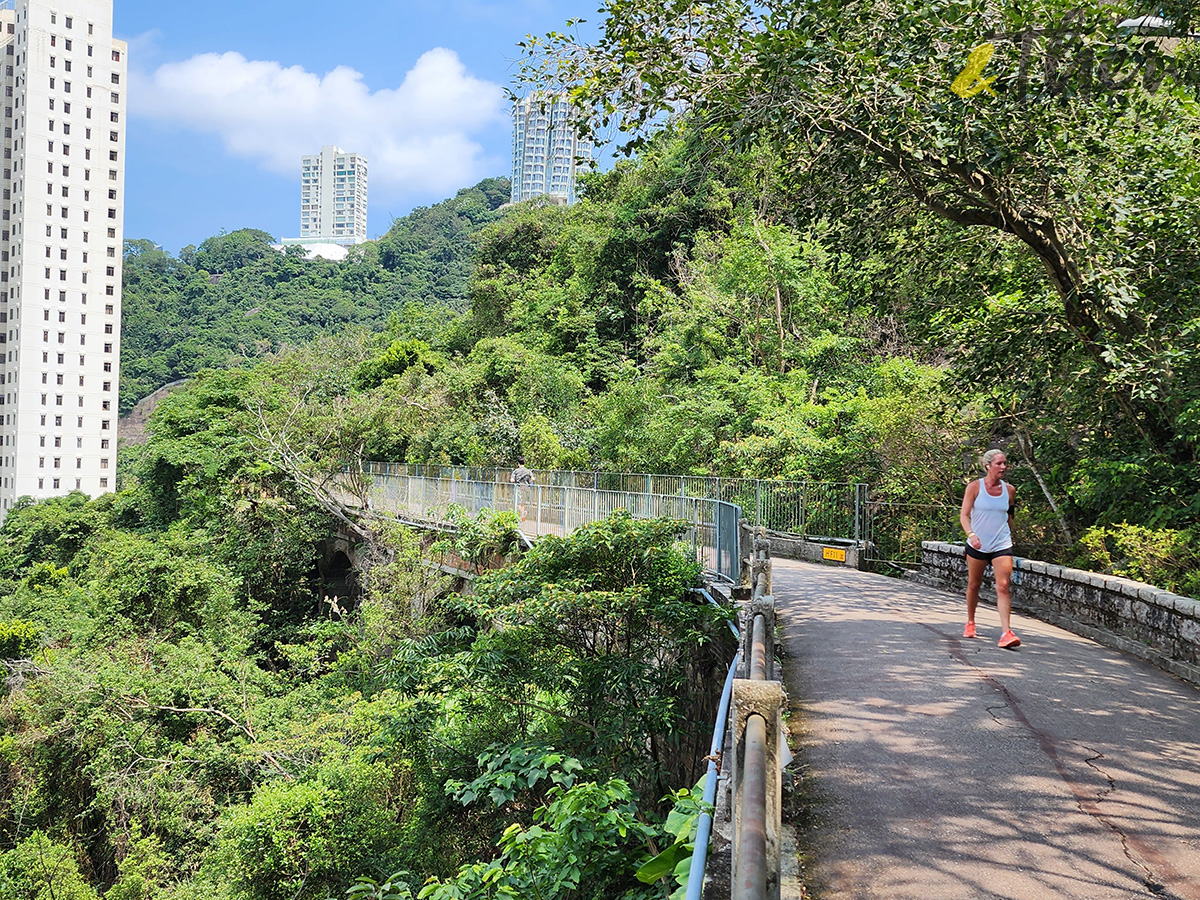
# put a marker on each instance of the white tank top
(989, 519)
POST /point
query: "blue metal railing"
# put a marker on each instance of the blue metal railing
(695, 885)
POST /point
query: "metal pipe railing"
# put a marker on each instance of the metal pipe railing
(751, 869)
(737, 635)
(758, 649)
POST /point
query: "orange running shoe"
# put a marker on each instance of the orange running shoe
(969, 631)
(1009, 641)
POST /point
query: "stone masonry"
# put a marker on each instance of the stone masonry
(1154, 624)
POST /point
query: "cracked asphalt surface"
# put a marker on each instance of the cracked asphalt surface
(936, 766)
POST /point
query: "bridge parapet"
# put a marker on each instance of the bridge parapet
(1156, 625)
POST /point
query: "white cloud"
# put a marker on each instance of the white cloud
(417, 137)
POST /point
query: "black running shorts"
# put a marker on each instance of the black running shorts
(987, 557)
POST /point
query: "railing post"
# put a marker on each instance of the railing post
(758, 514)
(857, 515)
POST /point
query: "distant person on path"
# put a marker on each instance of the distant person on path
(521, 475)
(987, 518)
(522, 478)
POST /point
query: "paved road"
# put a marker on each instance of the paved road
(940, 767)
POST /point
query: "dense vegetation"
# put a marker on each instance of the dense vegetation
(192, 712)
(234, 297)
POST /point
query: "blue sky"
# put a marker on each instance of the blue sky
(225, 97)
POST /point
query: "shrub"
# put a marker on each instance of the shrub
(18, 639)
(39, 868)
(1165, 557)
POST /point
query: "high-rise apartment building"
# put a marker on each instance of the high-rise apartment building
(333, 198)
(60, 247)
(546, 148)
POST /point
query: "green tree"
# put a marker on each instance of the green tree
(1084, 160)
(38, 868)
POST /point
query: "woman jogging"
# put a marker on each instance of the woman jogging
(986, 517)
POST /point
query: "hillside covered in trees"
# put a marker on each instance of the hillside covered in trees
(234, 297)
(833, 268)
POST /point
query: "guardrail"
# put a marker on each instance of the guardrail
(755, 779)
(883, 532)
(695, 885)
(542, 509)
(832, 509)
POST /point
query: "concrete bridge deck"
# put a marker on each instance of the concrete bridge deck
(940, 767)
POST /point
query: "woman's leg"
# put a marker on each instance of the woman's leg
(975, 568)
(1002, 567)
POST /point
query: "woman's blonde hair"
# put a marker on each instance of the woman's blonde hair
(989, 457)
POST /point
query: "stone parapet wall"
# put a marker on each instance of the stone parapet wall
(1146, 621)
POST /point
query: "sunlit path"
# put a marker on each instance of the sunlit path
(940, 767)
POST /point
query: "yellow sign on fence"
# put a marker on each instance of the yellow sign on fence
(834, 554)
